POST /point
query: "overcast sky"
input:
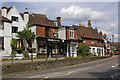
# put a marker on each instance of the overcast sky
(103, 15)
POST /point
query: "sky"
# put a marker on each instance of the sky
(103, 15)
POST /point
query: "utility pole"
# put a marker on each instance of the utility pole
(112, 44)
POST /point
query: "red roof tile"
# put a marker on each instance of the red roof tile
(87, 33)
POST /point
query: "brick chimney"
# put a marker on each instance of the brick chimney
(26, 16)
(89, 24)
(4, 10)
(100, 33)
(80, 25)
(96, 29)
(105, 36)
(59, 21)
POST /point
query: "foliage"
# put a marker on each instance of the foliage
(69, 58)
(27, 35)
(14, 52)
(84, 53)
(83, 48)
(19, 50)
(14, 44)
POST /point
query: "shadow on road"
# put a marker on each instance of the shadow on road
(111, 74)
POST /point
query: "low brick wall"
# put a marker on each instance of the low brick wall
(46, 65)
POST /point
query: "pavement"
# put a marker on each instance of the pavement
(24, 61)
(106, 69)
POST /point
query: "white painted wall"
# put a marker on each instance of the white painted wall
(7, 29)
(91, 50)
(33, 29)
(74, 46)
(20, 24)
(62, 33)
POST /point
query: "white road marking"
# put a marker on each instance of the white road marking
(70, 72)
(115, 65)
(46, 77)
(56, 73)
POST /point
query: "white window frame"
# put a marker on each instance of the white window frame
(71, 33)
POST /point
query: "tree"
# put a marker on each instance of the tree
(83, 49)
(27, 35)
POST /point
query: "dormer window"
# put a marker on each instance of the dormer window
(55, 23)
(71, 33)
(14, 18)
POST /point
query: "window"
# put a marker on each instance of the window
(14, 29)
(47, 32)
(1, 43)
(98, 41)
(71, 33)
(73, 48)
(84, 41)
(92, 41)
(55, 23)
(14, 18)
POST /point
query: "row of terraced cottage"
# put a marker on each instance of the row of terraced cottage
(50, 35)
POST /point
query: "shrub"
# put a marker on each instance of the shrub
(14, 52)
(83, 49)
(84, 53)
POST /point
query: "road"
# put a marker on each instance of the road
(107, 68)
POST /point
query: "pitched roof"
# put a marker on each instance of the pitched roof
(4, 19)
(0, 12)
(40, 19)
(87, 33)
(8, 9)
(22, 15)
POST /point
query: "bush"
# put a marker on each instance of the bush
(84, 53)
(14, 52)
(83, 49)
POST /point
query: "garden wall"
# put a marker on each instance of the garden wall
(45, 65)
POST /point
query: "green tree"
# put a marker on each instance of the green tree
(83, 49)
(27, 35)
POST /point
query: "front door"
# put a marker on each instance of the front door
(69, 52)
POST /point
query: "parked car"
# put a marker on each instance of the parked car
(116, 53)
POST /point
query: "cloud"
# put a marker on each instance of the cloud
(74, 12)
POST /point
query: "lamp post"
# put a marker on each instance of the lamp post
(55, 34)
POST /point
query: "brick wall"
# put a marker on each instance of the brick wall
(67, 35)
(75, 34)
(40, 31)
(89, 42)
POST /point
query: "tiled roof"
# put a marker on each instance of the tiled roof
(40, 19)
(87, 33)
(4, 19)
(0, 12)
(22, 15)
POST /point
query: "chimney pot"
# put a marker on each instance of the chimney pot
(89, 24)
(3, 4)
(25, 9)
(100, 33)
